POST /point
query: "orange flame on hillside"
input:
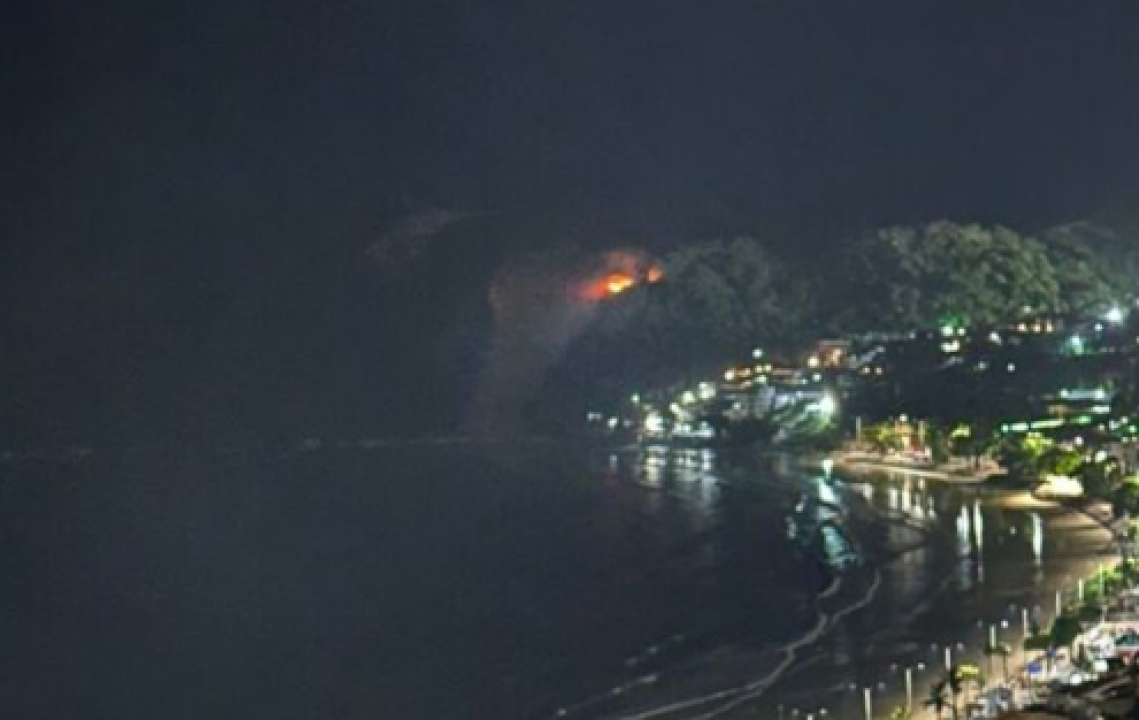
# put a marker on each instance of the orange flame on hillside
(616, 282)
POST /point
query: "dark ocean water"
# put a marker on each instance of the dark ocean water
(449, 580)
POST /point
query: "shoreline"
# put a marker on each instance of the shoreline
(906, 649)
(816, 646)
(864, 463)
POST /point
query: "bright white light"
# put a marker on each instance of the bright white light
(827, 405)
(1060, 486)
(962, 525)
(978, 527)
(654, 423)
(828, 466)
(688, 397)
(730, 375)
(707, 391)
(1011, 367)
(827, 493)
(757, 353)
(1114, 315)
(1037, 538)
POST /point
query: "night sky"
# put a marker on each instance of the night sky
(188, 189)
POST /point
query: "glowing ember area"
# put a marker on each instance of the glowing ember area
(624, 270)
(617, 283)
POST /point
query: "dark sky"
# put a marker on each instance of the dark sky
(187, 188)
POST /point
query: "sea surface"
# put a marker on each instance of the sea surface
(452, 579)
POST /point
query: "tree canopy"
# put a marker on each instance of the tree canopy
(901, 278)
(732, 294)
(1085, 276)
(721, 298)
(717, 300)
(1108, 250)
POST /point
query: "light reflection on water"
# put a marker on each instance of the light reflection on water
(981, 554)
(978, 527)
(1037, 539)
(694, 475)
(826, 492)
(962, 522)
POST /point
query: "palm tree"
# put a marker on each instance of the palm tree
(956, 678)
(969, 673)
(939, 699)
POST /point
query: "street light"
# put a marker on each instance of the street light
(910, 690)
(992, 647)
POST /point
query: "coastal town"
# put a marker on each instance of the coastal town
(1043, 407)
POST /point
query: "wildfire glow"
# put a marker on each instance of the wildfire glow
(617, 283)
(624, 271)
